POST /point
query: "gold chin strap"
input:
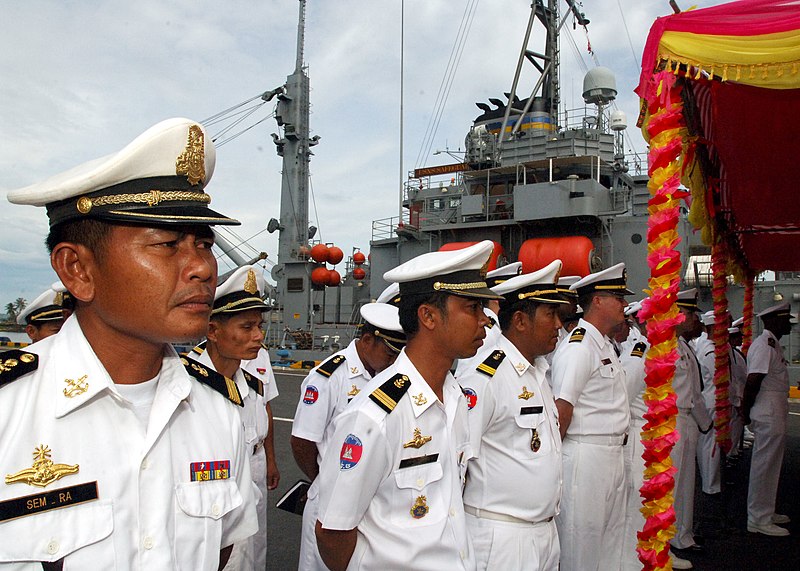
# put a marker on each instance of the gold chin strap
(151, 198)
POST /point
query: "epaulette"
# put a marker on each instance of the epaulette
(264, 346)
(327, 368)
(220, 383)
(15, 363)
(577, 335)
(254, 383)
(491, 323)
(489, 366)
(387, 395)
(199, 348)
(639, 349)
(771, 342)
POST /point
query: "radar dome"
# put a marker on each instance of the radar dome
(599, 86)
(619, 122)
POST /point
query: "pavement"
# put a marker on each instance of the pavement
(720, 520)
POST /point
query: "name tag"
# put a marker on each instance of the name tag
(46, 501)
(531, 409)
(606, 361)
(418, 460)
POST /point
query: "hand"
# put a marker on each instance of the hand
(273, 475)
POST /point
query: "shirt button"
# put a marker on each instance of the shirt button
(148, 542)
(452, 512)
(52, 547)
(461, 553)
(215, 510)
(145, 464)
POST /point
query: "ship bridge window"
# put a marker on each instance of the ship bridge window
(294, 284)
(455, 202)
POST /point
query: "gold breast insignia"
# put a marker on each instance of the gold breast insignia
(353, 391)
(418, 441)
(43, 471)
(420, 508)
(419, 399)
(75, 388)
(525, 394)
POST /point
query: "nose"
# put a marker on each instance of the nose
(199, 261)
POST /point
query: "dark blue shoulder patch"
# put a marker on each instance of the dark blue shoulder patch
(254, 383)
(639, 349)
(577, 335)
(389, 393)
(207, 376)
(490, 364)
(327, 368)
(16, 363)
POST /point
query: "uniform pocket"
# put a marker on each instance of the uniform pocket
(198, 518)
(417, 499)
(80, 534)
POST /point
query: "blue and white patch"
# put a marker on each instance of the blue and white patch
(351, 452)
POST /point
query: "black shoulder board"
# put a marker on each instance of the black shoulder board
(327, 368)
(771, 342)
(387, 395)
(263, 346)
(199, 348)
(15, 363)
(577, 335)
(639, 349)
(254, 383)
(220, 383)
(489, 366)
(491, 323)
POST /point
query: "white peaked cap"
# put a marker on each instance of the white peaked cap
(242, 290)
(537, 286)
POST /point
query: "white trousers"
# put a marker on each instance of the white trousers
(634, 520)
(592, 518)
(737, 427)
(507, 546)
(251, 553)
(708, 459)
(768, 417)
(683, 455)
(310, 559)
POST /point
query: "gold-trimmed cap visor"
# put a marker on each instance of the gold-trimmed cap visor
(47, 313)
(238, 301)
(464, 283)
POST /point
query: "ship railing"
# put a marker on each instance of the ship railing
(385, 228)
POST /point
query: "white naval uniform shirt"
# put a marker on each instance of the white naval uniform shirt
(686, 384)
(148, 514)
(633, 363)
(509, 406)
(323, 398)
(370, 481)
(738, 375)
(261, 368)
(704, 350)
(766, 357)
(588, 375)
(493, 332)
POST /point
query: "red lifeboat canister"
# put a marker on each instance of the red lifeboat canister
(319, 276)
(497, 252)
(320, 253)
(359, 258)
(334, 279)
(359, 273)
(575, 253)
(335, 255)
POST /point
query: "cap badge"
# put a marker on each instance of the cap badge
(525, 394)
(191, 161)
(419, 399)
(59, 298)
(420, 508)
(418, 441)
(353, 391)
(75, 388)
(43, 471)
(250, 284)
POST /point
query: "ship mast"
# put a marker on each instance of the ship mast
(292, 272)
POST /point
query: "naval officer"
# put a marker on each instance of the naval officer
(514, 430)
(44, 316)
(390, 482)
(325, 393)
(234, 335)
(114, 453)
(589, 387)
(766, 409)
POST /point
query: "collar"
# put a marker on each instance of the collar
(514, 358)
(420, 393)
(238, 376)
(355, 368)
(593, 333)
(81, 373)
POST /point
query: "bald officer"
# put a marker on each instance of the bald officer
(132, 458)
(44, 316)
(390, 482)
(514, 429)
(326, 392)
(589, 387)
(766, 410)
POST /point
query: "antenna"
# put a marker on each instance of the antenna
(301, 33)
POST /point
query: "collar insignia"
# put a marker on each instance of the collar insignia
(525, 394)
(418, 441)
(419, 399)
(520, 367)
(75, 388)
(43, 471)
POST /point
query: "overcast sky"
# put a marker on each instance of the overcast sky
(82, 78)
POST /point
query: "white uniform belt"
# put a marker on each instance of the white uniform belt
(604, 439)
(486, 514)
(686, 411)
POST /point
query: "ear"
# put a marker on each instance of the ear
(76, 267)
(30, 330)
(519, 321)
(213, 329)
(428, 316)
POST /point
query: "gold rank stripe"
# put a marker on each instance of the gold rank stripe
(486, 369)
(233, 392)
(384, 399)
